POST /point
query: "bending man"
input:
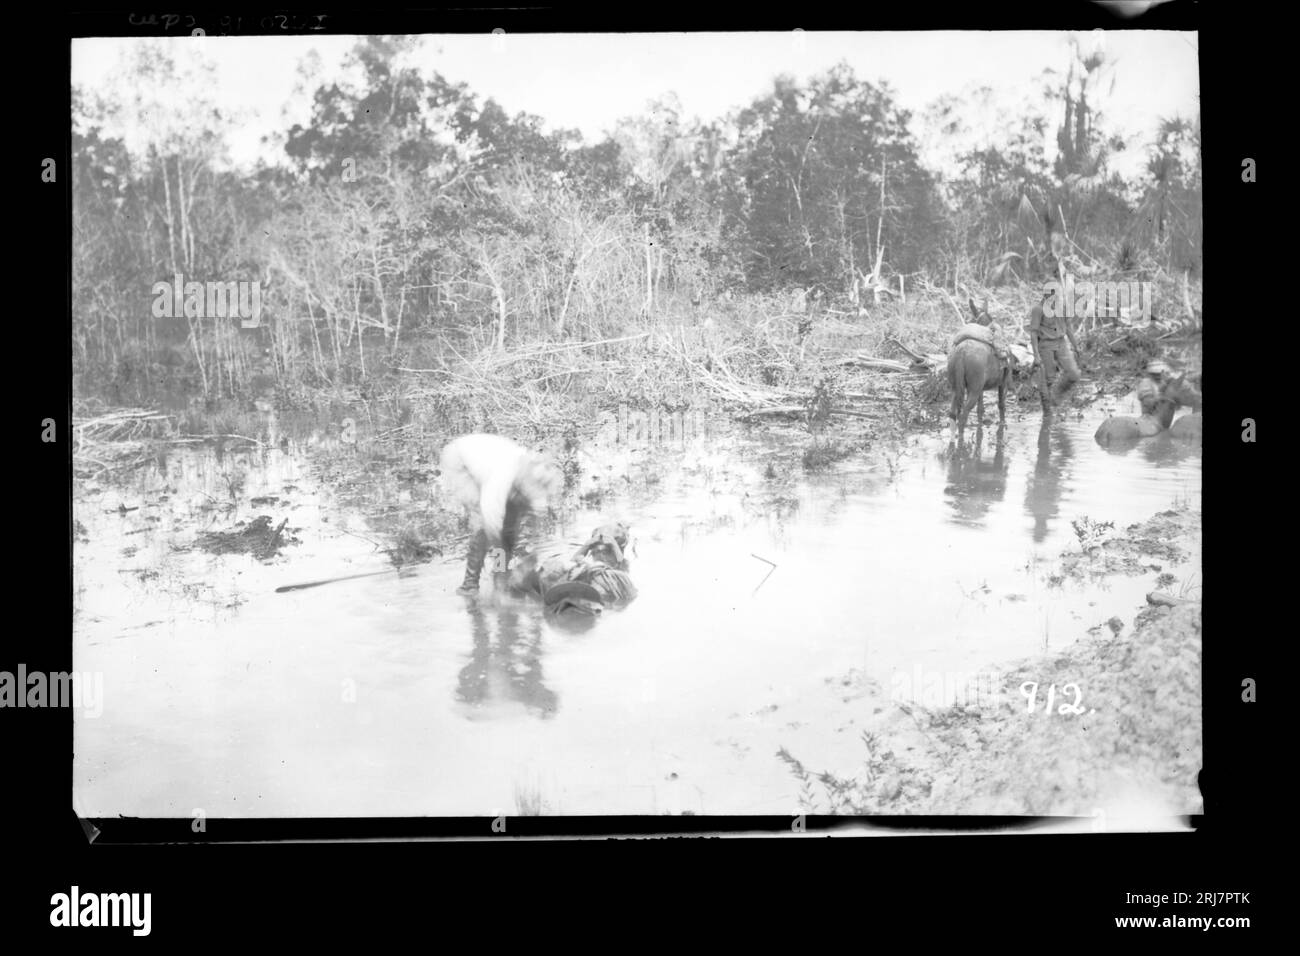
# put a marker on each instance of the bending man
(498, 482)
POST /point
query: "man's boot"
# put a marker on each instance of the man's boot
(474, 563)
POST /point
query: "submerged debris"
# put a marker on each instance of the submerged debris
(257, 538)
(1142, 547)
(821, 454)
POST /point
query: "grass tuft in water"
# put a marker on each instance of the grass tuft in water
(820, 455)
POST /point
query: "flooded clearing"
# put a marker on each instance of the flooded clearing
(779, 610)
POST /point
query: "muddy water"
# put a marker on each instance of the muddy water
(761, 588)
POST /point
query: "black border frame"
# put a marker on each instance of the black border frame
(1040, 880)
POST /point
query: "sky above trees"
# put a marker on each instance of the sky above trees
(589, 82)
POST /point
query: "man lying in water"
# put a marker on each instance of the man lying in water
(583, 583)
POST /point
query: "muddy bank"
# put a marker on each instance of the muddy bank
(1112, 723)
(1136, 746)
(867, 405)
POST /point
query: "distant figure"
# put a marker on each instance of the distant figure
(1055, 349)
(1184, 392)
(1184, 389)
(1152, 384)
(1159, 393)
(498, 482)
(1121, 429)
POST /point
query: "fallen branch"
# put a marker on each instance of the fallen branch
(766, 576)
(854, 413)
(774, 410)
(800, 410)
(533, 353)
(347, 577)
(914, 356)
(869, 361)
(199, 439)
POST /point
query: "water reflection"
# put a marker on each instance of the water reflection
(974, 483)
(509, 668)
(458, 700)
(1161, 450)
(1046, 485)
(1164, 450)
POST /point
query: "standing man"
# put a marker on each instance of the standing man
(1054, 345)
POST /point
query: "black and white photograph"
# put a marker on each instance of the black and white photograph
(615, 424)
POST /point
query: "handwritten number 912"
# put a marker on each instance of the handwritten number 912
(1030, 690)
